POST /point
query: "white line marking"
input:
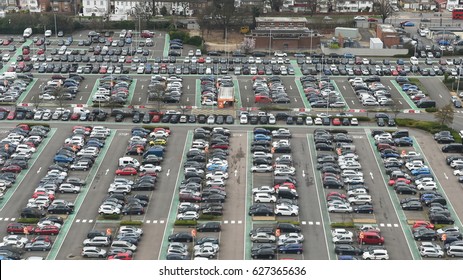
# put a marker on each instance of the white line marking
(232, 222)
(90, 221)
(38, 171)
(303, 173)
(389, 225)
(162, 221)
(304, 222)
(7, 219)
(225, 222)
(155, 221)
(240, 222)
(13, 219)
(396, 225)
(371, 174)
(446, 177)
(84, 221)
(311, 223)
(381, 225)
(78, 221)
(148, 222)
(400, 102)
(317, 223)
(168, 172)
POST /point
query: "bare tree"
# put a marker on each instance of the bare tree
(445, 115)
(156, 93)
(383, 8)
(275, 4)
(248, 45)
(223, 13)
(58, 93)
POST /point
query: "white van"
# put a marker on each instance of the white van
(124, 161)
(27, 32)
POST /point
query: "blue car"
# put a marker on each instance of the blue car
(390, 155)
(407, 23)
(421, 171)
(215, 167)
(258, 137)
(428, 197)
(63, 158)
(290, 249)
(262, 131)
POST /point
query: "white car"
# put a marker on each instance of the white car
(126, 229)
(376, 254)
(285, 171)
(209, 102)
(263, 237)
(318, 121)
(262, 155)
(124, 189)
(46, 96)
(360, 18)
(427, 186)
(261, 168)
(354, 180)
(341, 208)
(286, 210)
(271, 119)
(341, 232)
(215, 182)
(414, 60)
(429, 245)
(150, 168)
(357, 191)
(280, 54)
(45, 223)
(15, 240)
(351, 165)
(207, 252)
(360, 199)
(264, 198)
(431, 253)
(292, 235)
(108, 209)
(340, 239)
(25, 148)
(159, 133)
(216, 247)
(458, 172)
(68, 188)
(217, 175)
(351, 173)
(189, 215)
(263, 189)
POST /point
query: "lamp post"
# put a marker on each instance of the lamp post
(56, 30)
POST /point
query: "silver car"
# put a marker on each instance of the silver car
(93, 252)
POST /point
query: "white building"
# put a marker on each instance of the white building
(353, 5)
(98, 8)
(31, 5)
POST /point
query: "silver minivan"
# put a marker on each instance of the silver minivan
(455, 251)
(124, 245)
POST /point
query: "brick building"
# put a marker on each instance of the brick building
(388, 35)
(284, 33)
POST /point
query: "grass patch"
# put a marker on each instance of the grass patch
(131, 223)
(28, 220)
(429, 126)
(109, 217)
(210, 217)
(185, 223)
(296, 223)
(343, 225)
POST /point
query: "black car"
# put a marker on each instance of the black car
(405, 190)
(261, 211)
(264, 253)
(367, 208)
(60, 209)
(412, 205)
(133, 209)
(209, 227)
(207, 239)
(287, 228)
(55, 219)
(180, 237)
(32, 213)
(436, 218)
(345, 249)
(323, 147)
(425, 234)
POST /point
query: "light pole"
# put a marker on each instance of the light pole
(56, 30)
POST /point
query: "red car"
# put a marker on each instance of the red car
(24, 126)
(6, 42)
(336, 121)
(121, 256)
(40, 193)
(285, 185)
(126, 171)
(392, 182)
(75, 116)
(40, 51)
(11, 115)
(26, 51)
(156, 119)
(220, 146)
(128, 59)
(162, 129)
(372, 20)
(188, 197)
(46, 230)
(44, 238)
(12, 168)
(17, 228)
(425, 224)
(201, 60)
(336, 194)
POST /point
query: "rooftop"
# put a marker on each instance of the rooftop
(281, 19)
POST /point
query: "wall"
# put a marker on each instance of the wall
(365, 52)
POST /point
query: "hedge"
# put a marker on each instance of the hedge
(131, 223)
(296, 223)
(343, 225)
(429, 126)
(209, 217)
(274, 108)
(110, 217)
(28, 220)
(187, 223)
(35, 124)
(152, 127)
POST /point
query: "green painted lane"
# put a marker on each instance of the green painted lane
(405, 96)
(297, 69)
(26, 92)
(439, 185)
(23, 173)
(131, 91)
(248, 202)
(236, 88)
(174, 204)
(94, 89)
(198, 93)
(326, 221)
(165, 53)
(300, 89)
(79, 200)
(395, 201)
(342, 97)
